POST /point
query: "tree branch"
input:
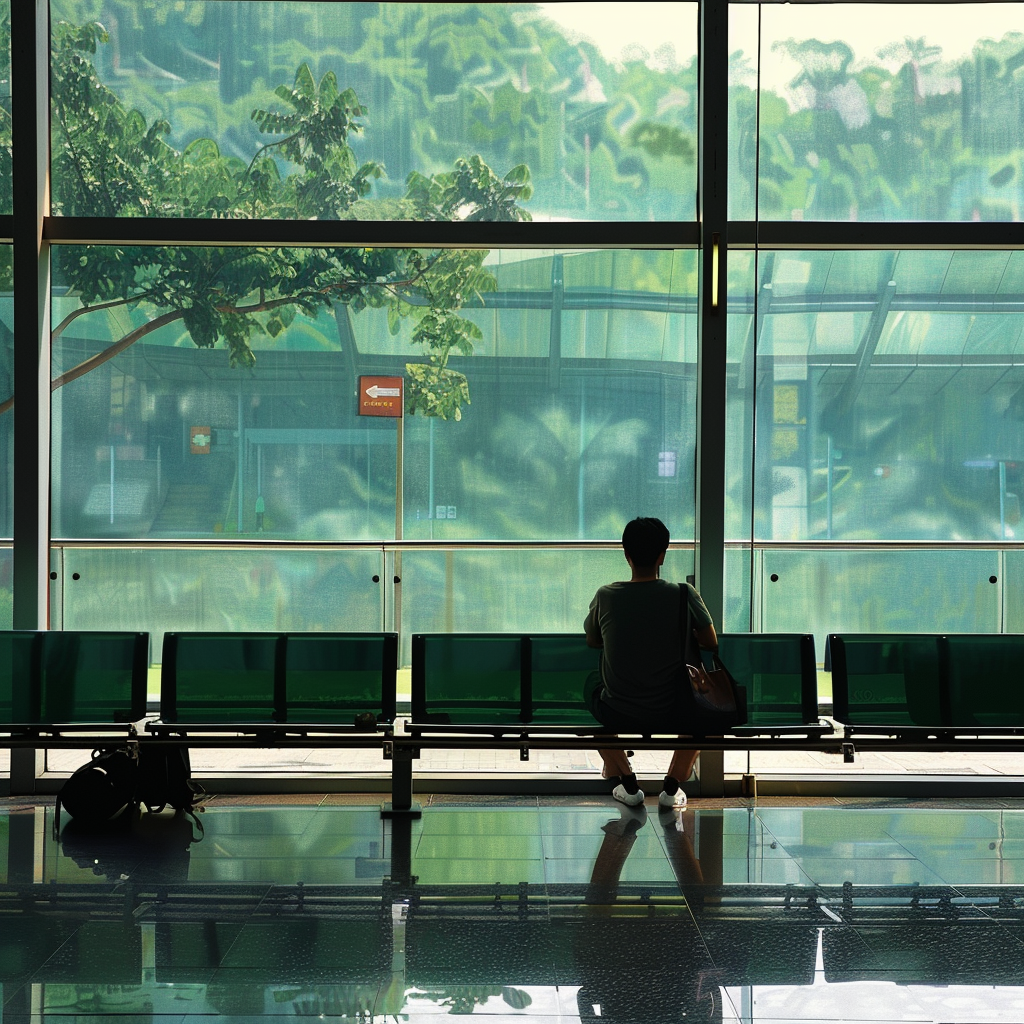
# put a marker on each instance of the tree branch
(116, 349)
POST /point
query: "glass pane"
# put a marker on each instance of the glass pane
(891, 591)
(577, 111)
(195, 590)
(889, 396)
(6, 588)
(526, 591)
(169, 422)
(867, 112)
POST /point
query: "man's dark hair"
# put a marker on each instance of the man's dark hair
(643, 540)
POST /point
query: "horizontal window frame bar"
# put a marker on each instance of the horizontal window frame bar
(741, 234)
(520, 545)
(844, 235)
(361, 233)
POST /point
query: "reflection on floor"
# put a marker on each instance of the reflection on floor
(559, 910)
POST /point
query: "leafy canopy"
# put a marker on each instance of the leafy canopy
(108, 161)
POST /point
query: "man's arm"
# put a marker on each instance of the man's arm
(591, 626)
(706, 637)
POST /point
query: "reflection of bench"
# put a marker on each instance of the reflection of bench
(928, 691)
(53, 683)
(276, 685)
(525, 691)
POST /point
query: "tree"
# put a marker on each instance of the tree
(108, 160)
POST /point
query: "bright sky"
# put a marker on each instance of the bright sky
(866, 27)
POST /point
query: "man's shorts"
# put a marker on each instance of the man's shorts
(615, 721)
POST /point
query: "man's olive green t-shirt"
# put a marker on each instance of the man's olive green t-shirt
(640, 627)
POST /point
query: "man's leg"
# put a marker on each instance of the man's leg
(616, 763)
(679, 771)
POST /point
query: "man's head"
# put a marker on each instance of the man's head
(645, 541)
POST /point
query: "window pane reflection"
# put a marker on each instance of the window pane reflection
(596, 111)
(868, 113)
(578, 412)
(889, 400)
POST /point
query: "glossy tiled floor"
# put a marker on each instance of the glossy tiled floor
(559, 910)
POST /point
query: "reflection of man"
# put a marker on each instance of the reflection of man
(654, 966)
(260, 509)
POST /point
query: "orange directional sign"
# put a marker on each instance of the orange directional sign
(199, 440)
(380, 396)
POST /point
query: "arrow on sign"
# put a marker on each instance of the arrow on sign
(377, 392)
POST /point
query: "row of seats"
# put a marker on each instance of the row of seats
(497, 684)
(935, 684)
(67, 679)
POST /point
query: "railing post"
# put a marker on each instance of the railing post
(30, 66)
(712, 192)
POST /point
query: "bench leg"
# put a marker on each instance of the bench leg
(401, 852)
(401, 802)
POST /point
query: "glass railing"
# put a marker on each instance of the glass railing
(539, 587)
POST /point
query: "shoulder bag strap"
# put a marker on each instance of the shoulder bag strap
(691, 651)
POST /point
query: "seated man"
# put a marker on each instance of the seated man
(639, 625)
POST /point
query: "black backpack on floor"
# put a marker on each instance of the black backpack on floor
(128, 776)
(165, 778)
(103, 788)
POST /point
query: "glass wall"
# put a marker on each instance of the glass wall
(577, 405)
(209, 463)
(374, 111)
(871, 111)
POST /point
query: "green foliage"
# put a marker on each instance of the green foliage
(109, 160)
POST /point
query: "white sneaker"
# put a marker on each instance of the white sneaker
(675, 800)
(629, 799)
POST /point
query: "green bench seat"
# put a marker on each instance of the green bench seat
(982, 681)
(781, 678)
(921, 685)
(502, 682)
(72, 678)
(884, 683)
(331, 681)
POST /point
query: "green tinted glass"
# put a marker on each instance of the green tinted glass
(331, 677)
(468, 677)
(17, 653)
(885, 679)
(560, 664)
(214, 677)
(93, 676)
(779, 674)
(984, 677)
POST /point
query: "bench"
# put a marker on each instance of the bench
(928, 691)
(511, 690)
(277, 687)
(56, 684)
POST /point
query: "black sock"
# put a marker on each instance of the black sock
(671, 785)
(629, 783)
